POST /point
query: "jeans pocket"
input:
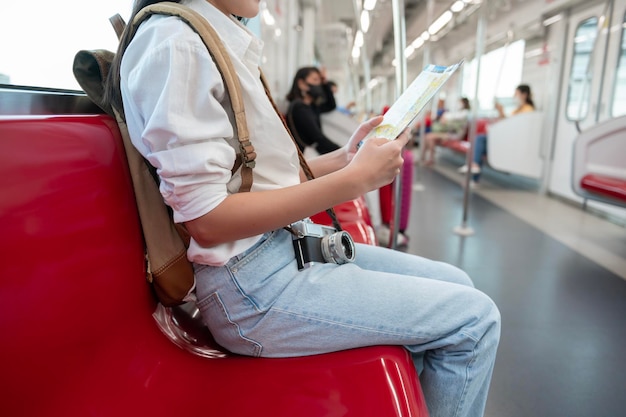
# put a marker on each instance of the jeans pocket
(225, 331)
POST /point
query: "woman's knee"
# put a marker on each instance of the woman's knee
(488, 319)
(451, 273)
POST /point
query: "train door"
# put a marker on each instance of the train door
(612, 97)
(579, 91)
(593, 86)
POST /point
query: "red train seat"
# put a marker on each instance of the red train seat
(613, 188)
(78, 336)
(354, 218)
(598, 169)
(462, 146)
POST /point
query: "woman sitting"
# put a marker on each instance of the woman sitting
(525, 104)
(310, 96)
(451, 126)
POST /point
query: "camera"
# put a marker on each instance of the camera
(314, 243)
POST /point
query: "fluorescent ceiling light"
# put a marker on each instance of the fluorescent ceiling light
(438, 24)
(365, 21)
(358, 39)
(409, 51)
(356, 52)
(457, 6)
(369, 4)
(425, 35)
(418, 43)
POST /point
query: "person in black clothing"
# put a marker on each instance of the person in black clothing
(310, 96)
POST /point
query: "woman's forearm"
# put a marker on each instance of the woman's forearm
(243, 215)
(327, 163)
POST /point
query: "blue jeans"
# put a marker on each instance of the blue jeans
(480, 149)
(259, 304)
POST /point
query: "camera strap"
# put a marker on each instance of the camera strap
(303, 164)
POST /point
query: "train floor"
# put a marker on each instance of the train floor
(558, 275)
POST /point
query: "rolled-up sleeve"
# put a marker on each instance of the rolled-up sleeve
(181, 119)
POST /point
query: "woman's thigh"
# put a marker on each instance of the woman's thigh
(385, 297)
(374, 258)
(261, 305)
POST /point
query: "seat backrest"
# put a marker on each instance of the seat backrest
(600, 150)
(514, 145)
(72, 256)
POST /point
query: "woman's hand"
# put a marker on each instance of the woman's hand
(362, 131)
(378, 161)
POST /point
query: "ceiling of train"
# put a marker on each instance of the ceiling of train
(337, 25)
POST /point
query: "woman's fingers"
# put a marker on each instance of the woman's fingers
(360, 133)
(379, 161)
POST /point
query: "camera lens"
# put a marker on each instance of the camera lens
(338, 248)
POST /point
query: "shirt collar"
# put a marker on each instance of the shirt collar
(243, 43)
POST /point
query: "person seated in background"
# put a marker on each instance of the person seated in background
(428, 119)
(524, 98)
(310, 96)
(450, 126)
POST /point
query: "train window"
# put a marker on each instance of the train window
(504, 65)
(619, 91)
(579, 81)
(39, 51)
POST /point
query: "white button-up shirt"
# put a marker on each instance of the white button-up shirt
(180, 118)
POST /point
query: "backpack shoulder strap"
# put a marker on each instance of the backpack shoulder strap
(218, 52)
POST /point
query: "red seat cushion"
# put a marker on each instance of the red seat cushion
(606, 186)
(354, 217)
(457, 145)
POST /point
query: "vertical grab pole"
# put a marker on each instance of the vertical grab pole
(430, 14)
(464, 229)
(399, 40)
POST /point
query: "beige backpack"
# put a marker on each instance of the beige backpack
(166, 242)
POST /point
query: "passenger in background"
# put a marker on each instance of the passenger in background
(310, 96)
(525, 104)
(428, 119)
(450, 126)
(441, 109)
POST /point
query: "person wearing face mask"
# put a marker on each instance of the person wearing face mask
(310, 96)
(524, 98)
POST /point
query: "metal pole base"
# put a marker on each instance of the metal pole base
(463, 231)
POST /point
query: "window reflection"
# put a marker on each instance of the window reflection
(619, 89)
(579, 80)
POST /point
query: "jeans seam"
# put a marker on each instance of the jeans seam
(254, 254)
(468, 368)
(220, 304)
(241, 291)
(345, 325)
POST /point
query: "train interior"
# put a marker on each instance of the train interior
(541, 229)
